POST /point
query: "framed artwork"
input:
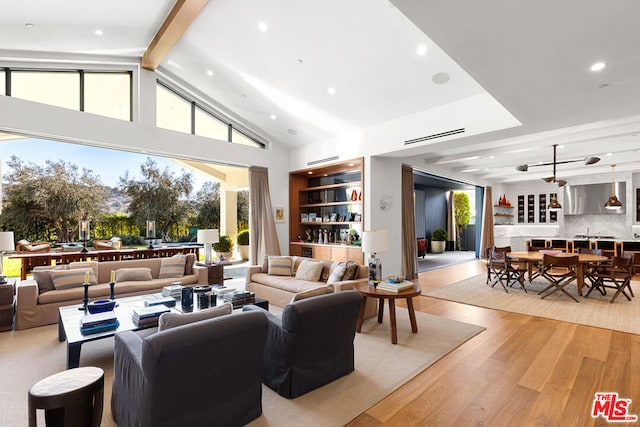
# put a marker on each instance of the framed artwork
(280, 214)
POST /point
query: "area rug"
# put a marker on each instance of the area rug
(595, 310)
(381, 367)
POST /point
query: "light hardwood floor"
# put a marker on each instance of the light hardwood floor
(521, 371)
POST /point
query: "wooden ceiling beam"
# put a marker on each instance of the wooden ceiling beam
(182, 15)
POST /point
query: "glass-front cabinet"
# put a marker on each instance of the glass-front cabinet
(327, 211)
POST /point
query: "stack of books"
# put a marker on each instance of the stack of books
(98, 322)
(395, 287)
(148, 316)
(174, 291)
(239, 298)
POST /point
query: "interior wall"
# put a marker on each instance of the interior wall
(421, 215)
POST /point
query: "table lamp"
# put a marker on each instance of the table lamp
(375, 241)
(151, 233)
(84, 234)
(6, 244)
(208, 236)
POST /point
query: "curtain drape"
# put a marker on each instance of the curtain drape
(263, 238)
(451, 219)
(409, 258)
(487, 240)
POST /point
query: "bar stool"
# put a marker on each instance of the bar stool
(70, 398)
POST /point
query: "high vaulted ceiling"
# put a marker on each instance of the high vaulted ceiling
(271, 63)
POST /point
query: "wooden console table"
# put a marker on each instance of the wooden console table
(34, 260)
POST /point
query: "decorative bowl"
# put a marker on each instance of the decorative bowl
(101, 305)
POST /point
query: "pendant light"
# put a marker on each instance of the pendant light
(554, 205)
(613, 202)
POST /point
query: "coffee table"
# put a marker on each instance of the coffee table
(372, 292)
(69, 322)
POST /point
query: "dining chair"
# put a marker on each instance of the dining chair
(616, 275)
(591, 268)
(504, 271)
(491, 274)
(559, 272)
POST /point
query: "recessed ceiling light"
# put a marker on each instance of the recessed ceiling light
(292, 131)
(492, 157)
(598, 66)
(209, 73)
(609, 154)
(28, 25)
(440, 78)
(470, 170)
(273, 117)
(603, 85)
(262, 26)
(310, 173)
(331, 91)
(98, 32)
(421, 49)
(351, 164)
(300, 61)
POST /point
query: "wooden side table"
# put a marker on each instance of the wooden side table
(70, 398)
(371, 292)
(7, 304)
(215, 271)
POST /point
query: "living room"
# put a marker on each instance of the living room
(517, 98)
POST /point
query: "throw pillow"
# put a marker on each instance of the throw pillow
(171, 320)
(67, 279)
(85, 264)
(172, 267)
(337, 273)
(280, 265)
(311, 293)
(309, 270)
(188, 265)
(351, 271)
(43, 278)
(133, 274)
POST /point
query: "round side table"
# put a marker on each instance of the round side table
(69, 398)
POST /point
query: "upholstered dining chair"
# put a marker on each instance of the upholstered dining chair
(559, 271)
(616, 275)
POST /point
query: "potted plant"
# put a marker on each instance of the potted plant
(224, 246)
(438, 240)
(243, 244)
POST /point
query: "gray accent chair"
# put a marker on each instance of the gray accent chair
(207, 373)
(311, 344)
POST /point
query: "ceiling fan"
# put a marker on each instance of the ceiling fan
(560, 182)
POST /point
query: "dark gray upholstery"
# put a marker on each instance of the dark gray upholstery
(311, 344)
(207, 373)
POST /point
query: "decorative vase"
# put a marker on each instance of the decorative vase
(354, 195)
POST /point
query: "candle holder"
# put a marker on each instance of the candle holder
(85, 299)
(151, 233)
(112, 294)
(83, 235)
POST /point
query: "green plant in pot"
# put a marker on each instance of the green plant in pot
(224, 246)
(438, 240)
(243, 244)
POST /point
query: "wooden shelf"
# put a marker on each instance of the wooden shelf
(503, 206)
(330, 186)
(503, 214)
(330, 223)
(322, 205)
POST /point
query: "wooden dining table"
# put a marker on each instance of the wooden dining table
(535, 257)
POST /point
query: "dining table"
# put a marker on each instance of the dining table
(533, 258)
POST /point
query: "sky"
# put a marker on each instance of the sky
(109, 165)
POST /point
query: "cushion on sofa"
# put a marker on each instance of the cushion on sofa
(188, 264)
(280, 265)
(43, 278)
(351, 271)
(337, 273)
(172, 267)
(133, 274)
(65, 279)
(85, 264)
(309, 270)
(312, 293)
(171, 320)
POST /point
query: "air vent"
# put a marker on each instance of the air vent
(328, 159)
(434, 136)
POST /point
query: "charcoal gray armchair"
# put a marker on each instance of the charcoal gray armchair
(311, 344)
(207, 373)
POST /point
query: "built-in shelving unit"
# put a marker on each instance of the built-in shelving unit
(327, 211)
(503, 215)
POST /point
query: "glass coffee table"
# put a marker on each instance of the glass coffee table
(69, 322)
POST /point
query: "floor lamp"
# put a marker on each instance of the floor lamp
(375, 241)
(208, 236)
(6, 244)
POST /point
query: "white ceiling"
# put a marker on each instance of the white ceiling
(533, 57)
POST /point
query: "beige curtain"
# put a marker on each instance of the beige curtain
(487, 240)
(263, 239)
(451, 219)
(409, 258)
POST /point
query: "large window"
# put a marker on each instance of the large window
(98, 92)
(108, 94)
(59, 88)
(176, 112)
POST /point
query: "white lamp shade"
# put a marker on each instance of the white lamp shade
(208, 235)
(375, 241)
(6, 241)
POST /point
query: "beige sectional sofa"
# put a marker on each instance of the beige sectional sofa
(279, 289)
(36, 306)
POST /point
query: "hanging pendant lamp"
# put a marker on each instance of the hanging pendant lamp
(613, 202)
(554, 205)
